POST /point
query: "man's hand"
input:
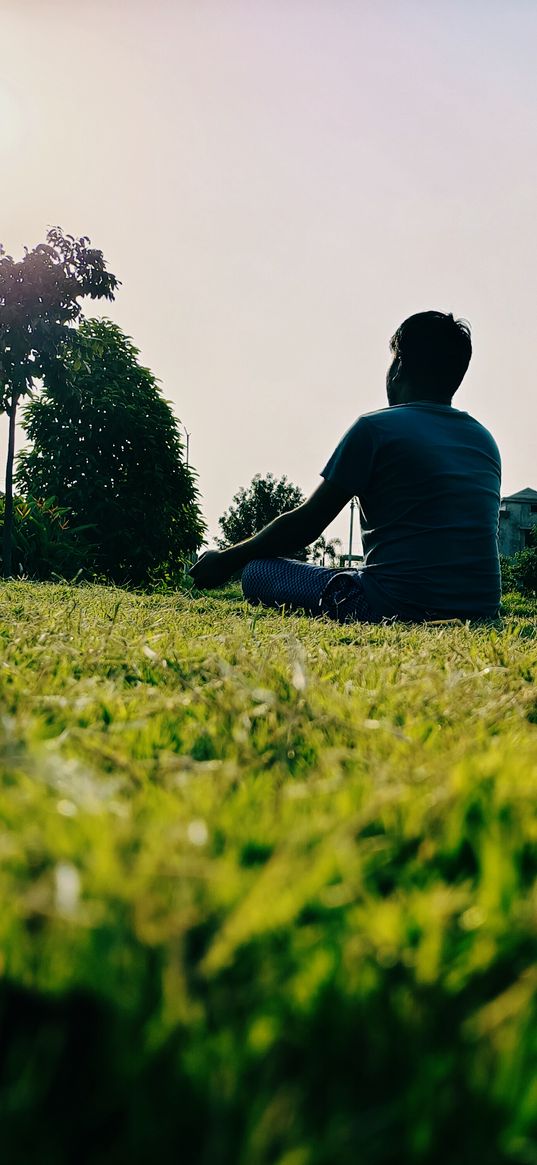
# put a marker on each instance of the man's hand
(211, 569)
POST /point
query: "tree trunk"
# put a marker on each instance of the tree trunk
(8, 500)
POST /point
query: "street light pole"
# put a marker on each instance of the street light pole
(350, 533)
(186, 565)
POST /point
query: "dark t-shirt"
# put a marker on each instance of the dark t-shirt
(428, 480)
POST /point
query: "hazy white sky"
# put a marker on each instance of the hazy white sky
(278, 183)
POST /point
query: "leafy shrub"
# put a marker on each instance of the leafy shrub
(519, 573)
(45, 542)
(514, 603)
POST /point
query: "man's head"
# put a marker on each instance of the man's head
(431, 352)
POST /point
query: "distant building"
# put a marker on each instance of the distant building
(518, 513)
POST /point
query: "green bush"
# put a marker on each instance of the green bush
(45, 542)
(515, 603)
(519, 573)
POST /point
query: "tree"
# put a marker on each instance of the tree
(105, 444)
(253, 508)
(39, 300)
(324, 549)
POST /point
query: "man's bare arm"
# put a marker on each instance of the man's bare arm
(289, 532)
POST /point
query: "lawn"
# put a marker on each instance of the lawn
(269, 885)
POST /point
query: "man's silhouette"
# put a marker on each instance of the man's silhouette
(427, 477)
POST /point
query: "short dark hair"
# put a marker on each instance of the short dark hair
(434, 350)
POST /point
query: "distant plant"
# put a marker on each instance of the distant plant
(254, 507)
(519, 573)
(524, 606)
(39, 300)
(106, 445)
(45, 543)
(326, 551)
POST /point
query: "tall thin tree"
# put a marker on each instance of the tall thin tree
(39, 300)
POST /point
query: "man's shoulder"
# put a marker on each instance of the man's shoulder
(371, 419)
(380, 425)
(401, 416)
(376, 414)
(390, 420)
(409, 416)
(390, 415)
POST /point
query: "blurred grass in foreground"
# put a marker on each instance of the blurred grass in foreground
(269, 885)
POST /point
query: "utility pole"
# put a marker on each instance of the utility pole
(350, 533)
(191, 557)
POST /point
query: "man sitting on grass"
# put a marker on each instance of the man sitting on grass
(427, 477)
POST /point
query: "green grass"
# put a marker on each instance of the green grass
(268, 885)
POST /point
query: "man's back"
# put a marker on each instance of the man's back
(428, 479)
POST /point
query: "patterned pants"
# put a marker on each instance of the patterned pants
(278, 582)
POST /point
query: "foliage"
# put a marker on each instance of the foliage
(513, 603)
(519, 573)
(39, 301)
(45, 543)
(326, 549)
(268, 885)
(105, 443)
(253, 508)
